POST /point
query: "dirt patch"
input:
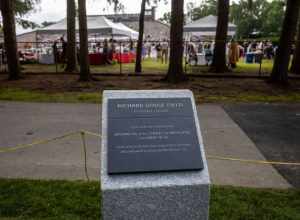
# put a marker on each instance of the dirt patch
(213, 87)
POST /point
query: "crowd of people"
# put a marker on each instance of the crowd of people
(234, 51)
(159, 50)
(107, 47)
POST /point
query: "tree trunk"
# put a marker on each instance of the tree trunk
(175, 73)
(71, 35)
(219, 60)
(10, 41)
(295, 68)
(83, 35)
(138, 63)
(282, 59)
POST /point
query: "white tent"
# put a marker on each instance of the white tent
(134, 34)
(206, 27)
(96, 25)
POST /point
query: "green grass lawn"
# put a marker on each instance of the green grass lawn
(8, 94)
(266, 67)
(32, 199)
(62, 97)
(66, 88)
(150, 66)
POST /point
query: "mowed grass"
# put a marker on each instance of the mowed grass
(28, 199)
(10, 94)
(249, 97)
(150, 66)
(63, 97)
(33, 199)
(247, 203)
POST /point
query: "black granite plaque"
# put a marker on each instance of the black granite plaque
(152, 135)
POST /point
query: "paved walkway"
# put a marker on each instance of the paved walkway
(275, 129)
(25, 122)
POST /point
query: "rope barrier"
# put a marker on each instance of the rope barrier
(253, 161)
(82, 134)
(37, 142)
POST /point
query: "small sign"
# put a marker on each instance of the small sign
(152, 135)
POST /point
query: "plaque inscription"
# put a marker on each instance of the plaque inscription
(152, 135)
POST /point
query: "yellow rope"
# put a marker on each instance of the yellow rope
(83, 132)
(37, 142)
(91, 133)
(253, 161)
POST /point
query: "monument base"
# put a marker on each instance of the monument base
(160, 195)
(173, 202)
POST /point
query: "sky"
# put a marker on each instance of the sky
(54, 10)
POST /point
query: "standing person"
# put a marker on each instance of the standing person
(164, 51)
(254, 46)
(233, 53)
(200, 47)
(144, 51)
(192, 54)
(1, 56)
(241, 51)
(158, 51)
(114, 46)
(111, 49)
(131, 46)
(55, 52)
(106, 52)
(64, 51)
(269, 50)
(148, 48)
(208, 53)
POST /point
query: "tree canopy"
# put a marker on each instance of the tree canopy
(260, 16)
(22, 8)
(208, 7)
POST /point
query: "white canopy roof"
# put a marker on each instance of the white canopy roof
(134, 34)
(96, 25)
(207, 26)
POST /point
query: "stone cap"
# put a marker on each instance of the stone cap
(149, 180)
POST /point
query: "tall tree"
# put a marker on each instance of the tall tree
(207, 7)
(261, 16)
(138, 63)
(23, 7)
(166, 18)
(282, 59)
(9, 29)
(71, 36)
(219, 60)
(175, 72)
(85, 74)
(295, 68)
(117, 4)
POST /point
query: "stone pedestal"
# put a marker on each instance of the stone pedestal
(162, 195)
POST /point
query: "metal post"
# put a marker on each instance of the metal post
(82, 134)
(186, 53)
(120, 57)
(55, 53)
(260, 63)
